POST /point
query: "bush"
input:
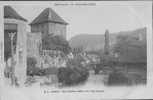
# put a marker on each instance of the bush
(31, 64)
(56, 42)
(29, 81)
(117, 78)
(72, 76)
(63, 75)
(31, 67)
(49, 71)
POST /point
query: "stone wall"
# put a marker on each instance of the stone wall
(34, 43)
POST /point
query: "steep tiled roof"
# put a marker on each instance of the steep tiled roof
(9, 12)
(48, 15)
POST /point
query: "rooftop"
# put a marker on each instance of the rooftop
(9, 12)
(48, 15)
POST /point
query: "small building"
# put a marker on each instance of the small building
(49, 22)
(14, 23)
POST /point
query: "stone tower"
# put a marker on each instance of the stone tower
(49, 22)
(106, 46)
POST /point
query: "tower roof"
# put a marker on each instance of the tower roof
(48, 15)
(9, 12)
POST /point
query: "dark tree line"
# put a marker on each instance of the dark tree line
(51, 42)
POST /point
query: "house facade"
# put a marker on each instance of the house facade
(15, 25)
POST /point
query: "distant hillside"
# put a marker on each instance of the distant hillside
(96, 42)
(88, 42)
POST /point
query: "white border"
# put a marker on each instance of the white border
(109, 93)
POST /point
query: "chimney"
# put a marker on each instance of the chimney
(106, 48)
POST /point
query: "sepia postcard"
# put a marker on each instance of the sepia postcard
(76, 50)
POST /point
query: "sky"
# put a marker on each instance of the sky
(94, 17)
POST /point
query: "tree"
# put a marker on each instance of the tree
(130, 49)
(106, 42)
(74, 73)
(51, 42)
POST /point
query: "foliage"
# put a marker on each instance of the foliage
(76, 61)
(29, 81)
(56, 43)
(73, 74)
(31, 62)
(117, 78)
(49, 71)
(32, 70)
(125, 77)
(31, 66)
(130, 49)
